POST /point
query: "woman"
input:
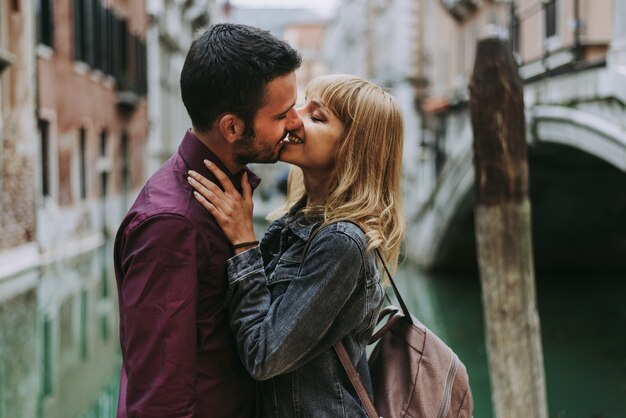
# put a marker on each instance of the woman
(314, 280)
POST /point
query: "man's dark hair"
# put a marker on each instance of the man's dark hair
(227, 69)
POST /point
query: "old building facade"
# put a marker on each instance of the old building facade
(171, 27)
(570, 55)
(73, 129)
(19, 383)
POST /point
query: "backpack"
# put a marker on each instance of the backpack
(414, 374)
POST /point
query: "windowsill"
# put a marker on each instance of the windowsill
(109, 82)
(19, 260)
(553, 43)
(97, 76)
(45, 52)
(81, 68)
(553, 61)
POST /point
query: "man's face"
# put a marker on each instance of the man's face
(274, 119)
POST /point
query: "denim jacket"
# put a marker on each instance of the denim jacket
(287, 312)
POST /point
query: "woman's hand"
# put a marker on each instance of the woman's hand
(231, 210)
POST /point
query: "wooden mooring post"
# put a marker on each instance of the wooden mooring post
(503, 234)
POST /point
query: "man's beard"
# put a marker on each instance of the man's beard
(246, 151)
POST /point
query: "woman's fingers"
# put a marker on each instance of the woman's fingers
(223, 178)
(208, 190)
(231, 210)
(205, 183)
(246, 188)
(207, 205)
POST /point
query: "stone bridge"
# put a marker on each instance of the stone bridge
(576, 131)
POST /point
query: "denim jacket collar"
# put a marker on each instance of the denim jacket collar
(300, 226)
(303, 231)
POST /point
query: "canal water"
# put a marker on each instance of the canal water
(59, 355)
(583, 322)
(583, 327)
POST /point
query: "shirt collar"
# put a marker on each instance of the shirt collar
(194, 152)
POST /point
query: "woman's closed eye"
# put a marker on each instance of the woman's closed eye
(316, 118)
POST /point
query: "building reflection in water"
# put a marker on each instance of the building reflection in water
(59, 340)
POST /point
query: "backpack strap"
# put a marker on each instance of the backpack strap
(394, 316)
(354, 377)
(405, 310)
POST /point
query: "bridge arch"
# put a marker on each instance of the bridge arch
(578, 191)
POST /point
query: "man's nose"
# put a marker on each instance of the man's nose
(293, 120)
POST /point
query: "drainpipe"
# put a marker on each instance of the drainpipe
(546, 53)
(577, 27)
(514, 28)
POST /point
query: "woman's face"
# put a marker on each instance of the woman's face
(313, 146)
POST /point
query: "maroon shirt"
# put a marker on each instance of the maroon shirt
(179, 355)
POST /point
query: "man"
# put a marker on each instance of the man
(179, 356)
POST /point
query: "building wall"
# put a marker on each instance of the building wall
(452, 38)
(17, 129)
(57, 311)
(170, 31)
(307, 38)
(91, 184)
(19, 379)
(595, 27)
(452, 43)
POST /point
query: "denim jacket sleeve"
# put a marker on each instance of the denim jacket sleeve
(280, 336)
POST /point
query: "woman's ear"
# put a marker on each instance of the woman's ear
(231, 127)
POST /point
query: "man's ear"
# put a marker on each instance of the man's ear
(231, 127)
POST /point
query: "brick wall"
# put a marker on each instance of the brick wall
(19, 135)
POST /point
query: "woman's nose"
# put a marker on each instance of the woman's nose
(293, 120)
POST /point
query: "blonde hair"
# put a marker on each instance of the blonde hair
(365, 184)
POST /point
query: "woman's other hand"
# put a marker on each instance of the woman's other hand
(232, 210)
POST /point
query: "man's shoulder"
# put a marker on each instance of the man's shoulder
(166, 191)
(166, 195)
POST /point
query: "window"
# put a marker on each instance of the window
(550, 15)
(124, 161)
(104, 176)
(80, 30)
(108, 38)
(140, 66)
(97, 33)
(103, 41)
(82, 163)
(44, 11)
(121, 50)
(44, 135)
(90, 32)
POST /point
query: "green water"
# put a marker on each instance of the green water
(583, 322)
(583, 327)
